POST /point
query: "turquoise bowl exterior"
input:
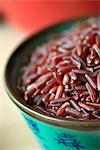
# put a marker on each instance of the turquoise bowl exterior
(52, 133)
(52, 137)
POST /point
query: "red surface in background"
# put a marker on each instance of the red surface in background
(33, 15)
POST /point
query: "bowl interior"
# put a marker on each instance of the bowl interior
(12, 72)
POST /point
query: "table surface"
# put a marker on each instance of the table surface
(14, 133)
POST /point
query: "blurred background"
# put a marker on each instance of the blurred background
(19, 19)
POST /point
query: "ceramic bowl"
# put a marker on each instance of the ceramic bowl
(52, 133)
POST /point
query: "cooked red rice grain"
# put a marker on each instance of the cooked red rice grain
(78, 71)
(94, 105)
(97, 61)
(79, 59)
(70, 117)
(95, 73)
(66, 79)
(89, 60)
(65, 69)
(46, 97)
(48, 86)
(96, 48)
(93, 54)
(98, 40)
(58, 77)
(53, 90)
(52, 96)
(91, 39)
(79, 49)
(85, 106)
(60, 100)
(75, 105)
(85, 115)
(91, 92)
(91, 80)
(59, 92)
(76, 62)
(73, 112)
(62, 108)
(96, 116)
(39, 102)
(98, 81)
(64, 63)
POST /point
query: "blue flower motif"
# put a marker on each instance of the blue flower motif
(68, 140)
(34, 126)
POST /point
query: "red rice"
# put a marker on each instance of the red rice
(64, 76)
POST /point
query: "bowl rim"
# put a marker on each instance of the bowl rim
(37, 113)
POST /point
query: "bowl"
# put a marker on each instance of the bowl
(52, 133)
